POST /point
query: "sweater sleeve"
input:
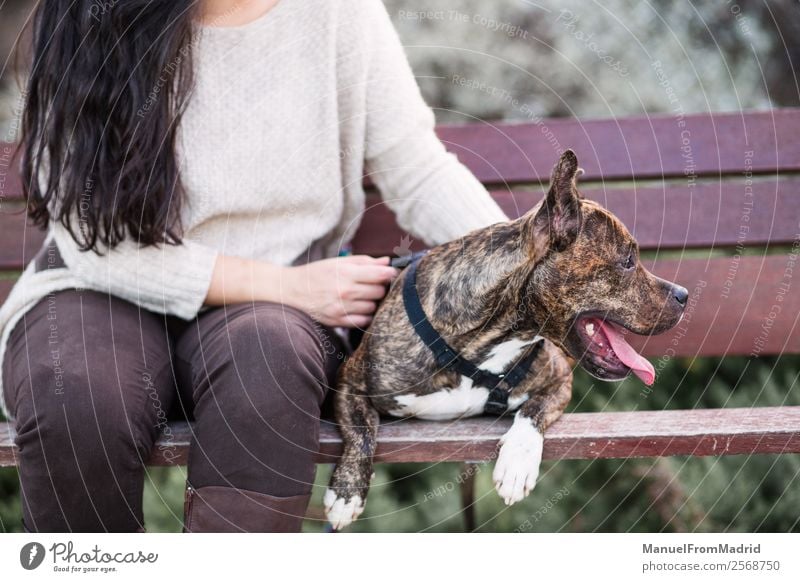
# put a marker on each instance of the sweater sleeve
(170, 279)
(435, 197)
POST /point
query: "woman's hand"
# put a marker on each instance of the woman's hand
(342, 291)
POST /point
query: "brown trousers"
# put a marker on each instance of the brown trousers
(92, 380)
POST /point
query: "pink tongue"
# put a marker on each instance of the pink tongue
(628, 356)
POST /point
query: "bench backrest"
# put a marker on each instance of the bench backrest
(710, 196)
(715, 199)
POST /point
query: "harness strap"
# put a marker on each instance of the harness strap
(499, 385)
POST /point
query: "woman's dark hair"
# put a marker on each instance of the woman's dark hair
(109, 82)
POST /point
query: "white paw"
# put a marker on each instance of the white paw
(517, 465)
(339, 512)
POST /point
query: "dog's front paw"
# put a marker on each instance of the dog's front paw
(517, 465)
(342, 512)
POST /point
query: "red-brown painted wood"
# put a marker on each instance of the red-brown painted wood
(651, 146)
(643, 147)
(730, 304)
(5, 288)
(671, 217)
(594, 435)
(19, 241)
(10, 187)
(729, 308)
(605, 435)
(722, 214)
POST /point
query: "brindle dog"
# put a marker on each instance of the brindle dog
(567, 274)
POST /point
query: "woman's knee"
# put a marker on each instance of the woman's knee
(89, 391)
(85, 418)
(88, 423)
(278, 356)
(257, 405)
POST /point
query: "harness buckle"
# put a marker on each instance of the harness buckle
(496, 405)
(445, 358)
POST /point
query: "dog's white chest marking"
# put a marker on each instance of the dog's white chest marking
(517, 465)
(465, 399)
(444, 404)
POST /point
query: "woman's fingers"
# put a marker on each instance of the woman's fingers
(377, 274)
(361, 307)
(367, 260)
(359, 291)
(366, 269)
(358, 321)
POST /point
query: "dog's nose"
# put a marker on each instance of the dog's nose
(681, 294)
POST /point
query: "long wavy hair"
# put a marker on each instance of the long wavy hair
(109, 82)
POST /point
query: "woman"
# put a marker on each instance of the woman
(198, 167)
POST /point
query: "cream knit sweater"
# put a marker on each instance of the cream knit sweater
(289, 112)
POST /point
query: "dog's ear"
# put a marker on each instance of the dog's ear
(558, 220)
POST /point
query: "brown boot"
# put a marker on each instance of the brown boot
(226, 509)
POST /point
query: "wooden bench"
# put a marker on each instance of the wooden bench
(707, 183)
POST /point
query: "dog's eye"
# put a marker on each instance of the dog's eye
(629, 263)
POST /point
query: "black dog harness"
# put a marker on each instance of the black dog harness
(499, 385)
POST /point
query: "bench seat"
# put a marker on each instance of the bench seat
(595, 435)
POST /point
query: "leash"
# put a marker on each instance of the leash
(500, 385)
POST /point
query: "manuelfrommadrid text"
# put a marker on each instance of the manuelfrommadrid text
(694, 549)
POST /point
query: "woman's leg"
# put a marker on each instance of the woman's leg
(88, 378)
(258, 374)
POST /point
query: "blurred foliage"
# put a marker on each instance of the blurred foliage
(598, 59)
(560, 57)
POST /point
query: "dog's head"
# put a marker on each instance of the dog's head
(588, 286)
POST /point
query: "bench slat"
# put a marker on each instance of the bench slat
(595, 435)
(10, 186)
(639, 146)
(734, 297)
(19, 241)
(642, 147)
(669, 217)
(5, 288)
(601, 435)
